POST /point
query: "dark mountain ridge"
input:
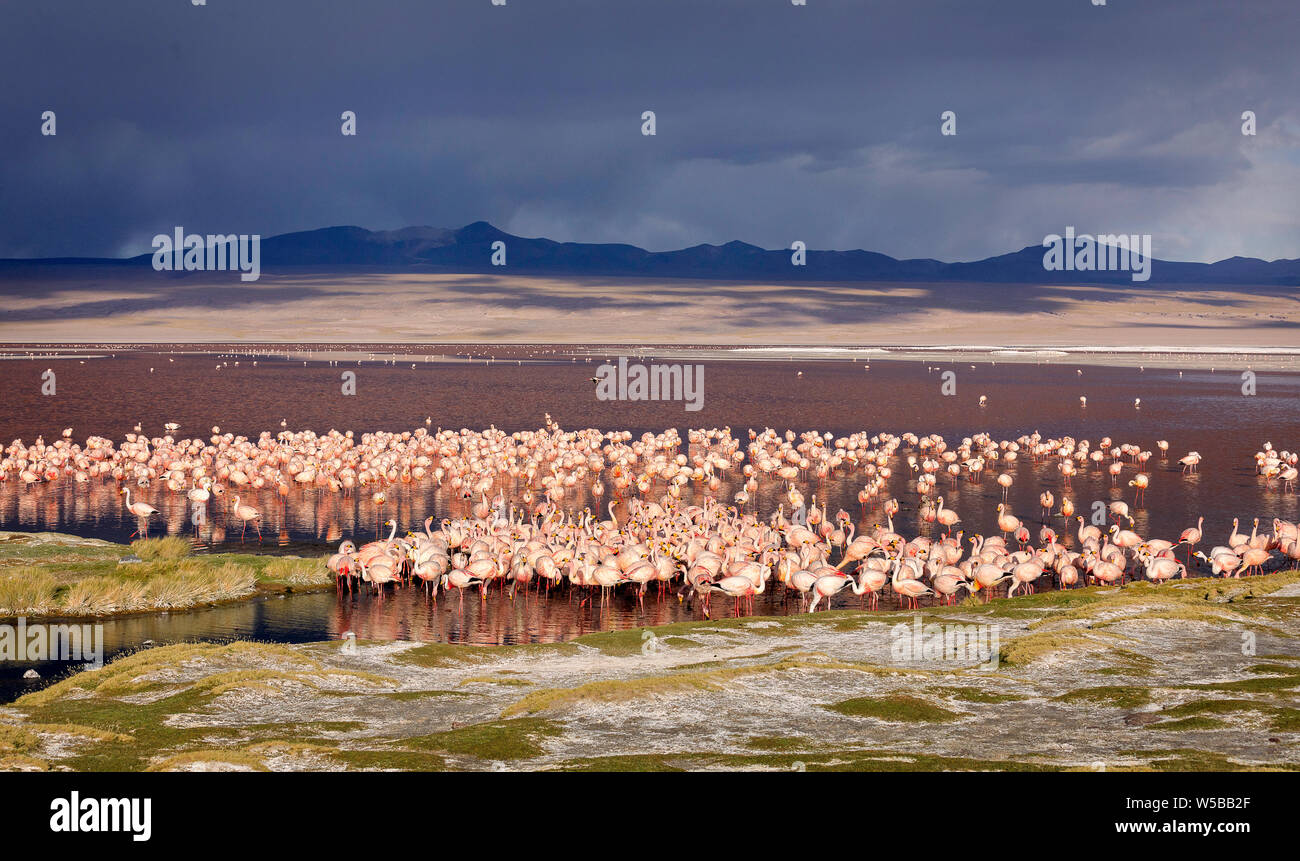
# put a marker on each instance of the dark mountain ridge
(469, 250)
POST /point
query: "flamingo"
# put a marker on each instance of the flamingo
(909, 589)
(871, 580)
(987, 576)
(826, 587)
(1192, 536)
(247, 513)
(1106, 572)
(1221, 564)
(341, 564)
(142, 510)
(460, 579)
(1160, 569)
(1087, 532)
(946, 516)
(1140, 481)
(703, 527)
(199, 496)
(1006, 522)
(948, 582)
(740, 588)
(1024, 575)
(1255, 558)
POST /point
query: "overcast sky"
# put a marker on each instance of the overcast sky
(775, 122)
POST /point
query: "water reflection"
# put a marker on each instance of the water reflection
(1203, 411)
(1226, 487)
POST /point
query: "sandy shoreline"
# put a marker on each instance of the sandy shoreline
(1007, 322)
(1262, 359)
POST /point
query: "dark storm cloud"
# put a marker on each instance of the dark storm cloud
(775, 122)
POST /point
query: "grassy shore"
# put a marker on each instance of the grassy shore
(49, 574)
(1191, 675)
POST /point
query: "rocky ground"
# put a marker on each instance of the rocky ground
(1192, 675)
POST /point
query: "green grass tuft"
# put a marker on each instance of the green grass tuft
(495, 740)
(1115, 696)
(156, 549)
(896, 707)
(27, 591)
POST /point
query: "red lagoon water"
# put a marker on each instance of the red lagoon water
(1194, 410)
(1198, 410)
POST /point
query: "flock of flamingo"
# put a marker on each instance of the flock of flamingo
(696, 550)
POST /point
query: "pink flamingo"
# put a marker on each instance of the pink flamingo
(739, 588)
(247, 513)
(1191, 537)
(909, 589)
(141, 510)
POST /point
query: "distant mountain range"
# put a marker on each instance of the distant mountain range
(469, 250)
